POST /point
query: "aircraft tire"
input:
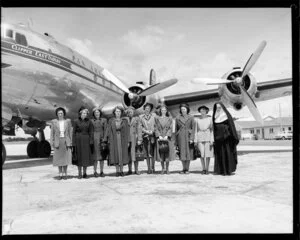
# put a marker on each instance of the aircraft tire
(32, 149)
(3, 154)
(44, 149)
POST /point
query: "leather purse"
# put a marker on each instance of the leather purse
(140, 154)
(163, 146)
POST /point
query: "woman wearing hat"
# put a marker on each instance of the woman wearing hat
(163, 132)
(204, 137)
(60, 139)
(226, 140)
(184, 132)
(117, 134)
(147, 124)
(135, 139)
(83, 142)
(99, 125)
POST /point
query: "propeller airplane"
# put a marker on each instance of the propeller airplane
(39, 74)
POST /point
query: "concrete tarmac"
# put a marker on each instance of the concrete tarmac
(257, 199)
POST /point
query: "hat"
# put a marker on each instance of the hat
(149, 104)
(203, 107)
(186, 105)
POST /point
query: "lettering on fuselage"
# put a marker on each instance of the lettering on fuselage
(36, 53)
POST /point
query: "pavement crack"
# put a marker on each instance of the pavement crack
(21, 178)
(112, 189)
(257, 187)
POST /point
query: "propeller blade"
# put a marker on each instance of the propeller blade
(253, 58)
(251, 105)
(158, 87)
(211, 81)
(111, 77)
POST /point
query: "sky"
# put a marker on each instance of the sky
(176, 42)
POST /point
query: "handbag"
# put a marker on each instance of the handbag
(163, 146)
(104, 150)
(74, 157)
(140, 154)
(197, 153)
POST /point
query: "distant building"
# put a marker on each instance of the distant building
(272, 126)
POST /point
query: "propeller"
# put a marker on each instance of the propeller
(238, 81)
(158, 87)
(136, 95)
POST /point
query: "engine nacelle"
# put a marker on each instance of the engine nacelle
(134, 100)
(230, 93)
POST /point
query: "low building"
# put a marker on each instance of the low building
(272, 126)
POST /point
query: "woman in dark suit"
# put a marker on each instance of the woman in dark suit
(118, 135)
(226, 140)
(83, 142)
(185, 136)
(60, 139)
(163, 133)
(100, 125)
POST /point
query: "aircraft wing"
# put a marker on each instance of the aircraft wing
(265, 91)
(206, 95)
(273, 89)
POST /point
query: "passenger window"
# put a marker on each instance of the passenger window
(9, 33)
(21, 39)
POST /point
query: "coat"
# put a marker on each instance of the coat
(135, 135)
(111, 137)
(185, 132)
(99, 131)
(55, 132)
(164, 131)
(83, 138)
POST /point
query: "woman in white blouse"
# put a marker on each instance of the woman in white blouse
(60, 139)
(204, 137)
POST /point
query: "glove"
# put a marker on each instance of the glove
(92, 148)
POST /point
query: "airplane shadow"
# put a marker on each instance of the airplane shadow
(25, 164)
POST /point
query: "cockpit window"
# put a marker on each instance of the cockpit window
(21, 39)
(9, 33)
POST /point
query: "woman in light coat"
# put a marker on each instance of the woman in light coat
(61, 142)
(185, 136)
(163, 133)
(100, 125)
(118, 135)
(135, 139)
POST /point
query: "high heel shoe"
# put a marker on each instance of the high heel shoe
(122, 174)
(84, 175)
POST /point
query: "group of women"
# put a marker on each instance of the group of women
(89, 141)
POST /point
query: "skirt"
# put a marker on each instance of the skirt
(62, 156)
(206, 149)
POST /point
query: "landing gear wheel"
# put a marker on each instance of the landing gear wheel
(3, 153)
(44, 149)
(32, 149)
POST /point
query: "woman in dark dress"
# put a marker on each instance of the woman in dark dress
(118, 136)
(99, 125)
(184, 132)
(83, 142)
(226, 140)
